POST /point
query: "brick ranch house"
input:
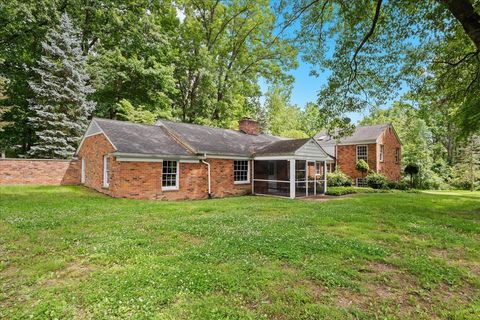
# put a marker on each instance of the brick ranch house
(378, 145)
(171, 160)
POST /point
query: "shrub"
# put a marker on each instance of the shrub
(377, 181)
(340, 191)
(362, 166)
(338, 179)
(400, 185)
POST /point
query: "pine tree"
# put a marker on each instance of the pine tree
(60, 105)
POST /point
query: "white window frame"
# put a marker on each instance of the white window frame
(82, 177)
(397, 155)
(366, 151)
(382, 153)
(106, 171)
(318, 168)
(248, 173)
(364, 184)
(177, 176)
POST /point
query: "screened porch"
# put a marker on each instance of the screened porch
(289, 177)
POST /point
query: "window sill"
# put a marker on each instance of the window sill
(170, 189)
(241, 182)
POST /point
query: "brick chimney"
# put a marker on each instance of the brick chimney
(249, 126)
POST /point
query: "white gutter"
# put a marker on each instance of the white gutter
(209, 179)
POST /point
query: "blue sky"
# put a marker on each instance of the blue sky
(306, 87)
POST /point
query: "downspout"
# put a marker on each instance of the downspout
(209, 178)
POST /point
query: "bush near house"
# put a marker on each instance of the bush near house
(338, 179)
(341, 191)
(377, 181)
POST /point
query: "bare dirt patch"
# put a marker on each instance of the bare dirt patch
(74, 271)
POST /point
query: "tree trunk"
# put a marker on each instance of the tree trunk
(464, 12)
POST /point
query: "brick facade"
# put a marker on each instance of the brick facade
(143, 180)
(347, 157)
(389, 167)
(39, 171)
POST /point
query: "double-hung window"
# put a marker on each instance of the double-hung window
(397, 155)
(241, 171)
(362, 153)
(318, 168)
(106, 172)
(382, 153)
(170, 175)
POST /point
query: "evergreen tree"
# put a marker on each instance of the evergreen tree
(60, 105)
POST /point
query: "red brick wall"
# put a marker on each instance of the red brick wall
(389, 167)
(143, 180)
(347, 159)
(39, 171)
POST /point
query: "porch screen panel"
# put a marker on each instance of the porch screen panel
(300, 178)
(271, 177)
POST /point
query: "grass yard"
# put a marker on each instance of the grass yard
(67, 252)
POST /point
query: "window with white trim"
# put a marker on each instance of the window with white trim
(170, 175)
(397, 155)
(318, 168)
(362, 153)
(241, 170)
(106, 172)
(82, 179)
(382, 153)
(361, 182)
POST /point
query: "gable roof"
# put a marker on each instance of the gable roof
(281, 147)
(217, 141)
(167, 138)
(127, 137)
(361, 134)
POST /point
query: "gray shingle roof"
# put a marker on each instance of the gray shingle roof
(130, 137)
(217, 141)
(360, 135)
(182, 139)
(281, 147)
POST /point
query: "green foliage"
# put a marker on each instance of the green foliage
(377, 181)
(203, 67)
(60, 106)
(422, 45)
(362, 166)
(126, 111)
(340, 191)
(338, 179)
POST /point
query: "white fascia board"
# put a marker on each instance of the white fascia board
(229, 157)
(135, 157)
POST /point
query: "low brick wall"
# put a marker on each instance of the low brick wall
(39, 171)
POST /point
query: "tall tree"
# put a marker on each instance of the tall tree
(224, 48)
(60, 106)
(283, 118)
(369, 45)
(467, 168)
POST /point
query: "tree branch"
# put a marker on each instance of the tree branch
(367, 36)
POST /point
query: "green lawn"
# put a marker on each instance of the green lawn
(67, 252)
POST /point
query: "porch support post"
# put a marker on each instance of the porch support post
(292, 179)
(306, 178)
(253, 176)
(324, 177)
